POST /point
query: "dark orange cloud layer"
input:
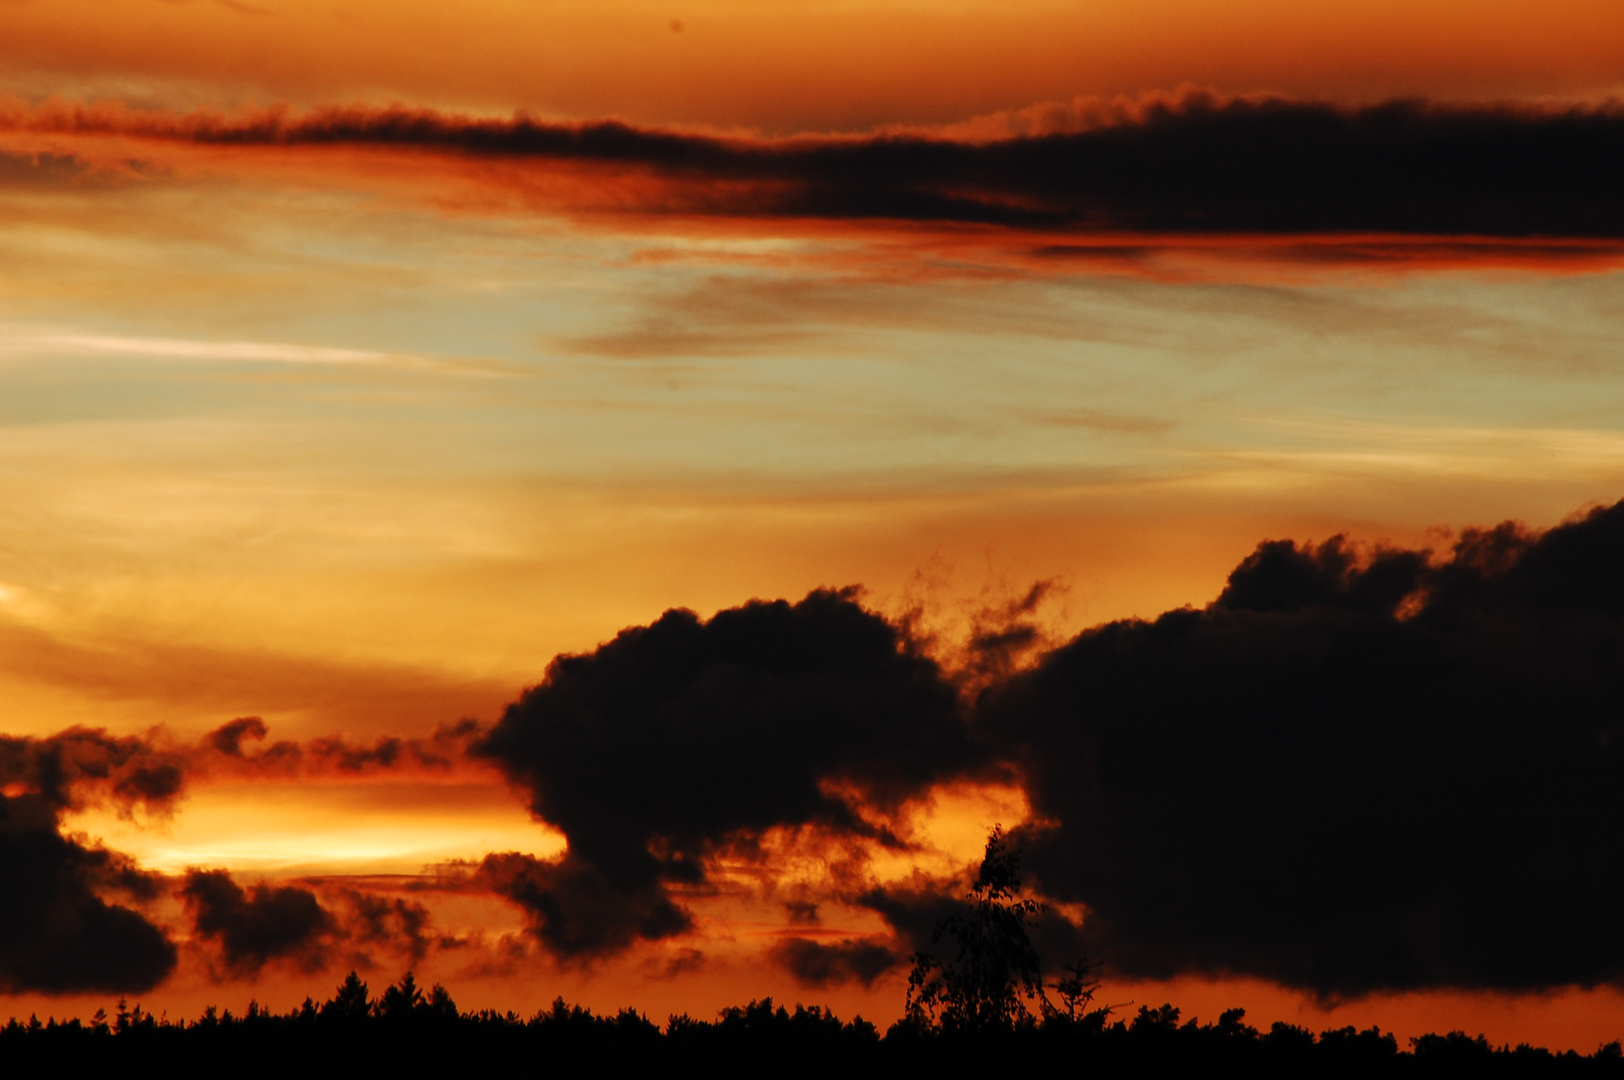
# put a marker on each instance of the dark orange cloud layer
(1195, 165)
(1406, 184)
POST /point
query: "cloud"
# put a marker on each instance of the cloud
(222, 751)
(1354, 772)
(575, 910)
(257, 925)
(175, 348)
(678, 739)
(913, 909)
(682, 962)
(388, 922)
(42, 171)
(58, 934)
(265, 923)
(28, 341)
(83, 764)
(1361, 769)
(814, 963)
(1198, 165)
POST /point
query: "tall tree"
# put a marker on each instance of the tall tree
(993, 973)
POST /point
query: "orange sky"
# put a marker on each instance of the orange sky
(357, 438)
(808, 65)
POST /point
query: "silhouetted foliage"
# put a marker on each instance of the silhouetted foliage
(1076, 992)
(993, 971)
(350, 1003)
(406, 1031)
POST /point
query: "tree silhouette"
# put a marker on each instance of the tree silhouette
(408, 1033)
(350, 1003)
(399, 1001)
(1076, 991)
(994, 971)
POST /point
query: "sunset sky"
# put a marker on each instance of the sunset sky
(358, 359)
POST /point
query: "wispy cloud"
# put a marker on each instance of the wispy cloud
(182, 349)
(1477, 452)
(35, 342)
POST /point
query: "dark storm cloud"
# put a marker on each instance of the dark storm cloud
(1348, 774)
(254, 926)
(58, 934)
(913, 910)
(815, 963)
(257, 925)
(1197, 165)
(680, 738)
(575, 910)
(264, 923)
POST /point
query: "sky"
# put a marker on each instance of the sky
(617, 500)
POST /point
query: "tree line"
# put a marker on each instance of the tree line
(408, 1030)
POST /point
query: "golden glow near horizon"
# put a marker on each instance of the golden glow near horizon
(360, 827)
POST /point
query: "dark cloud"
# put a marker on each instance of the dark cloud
(257, 925)
(81, 765)
(58, 933)
(576, 910)
(814, 963)
(228, 738)
(387, 922)
(914, 909)
(802, 912)
(681, 962)
(223, 750)
(1353, 772)
(85, 765)
(295, 924)
(1197, 165)
(680, 738)
(1002, 635)
(1358, 770)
